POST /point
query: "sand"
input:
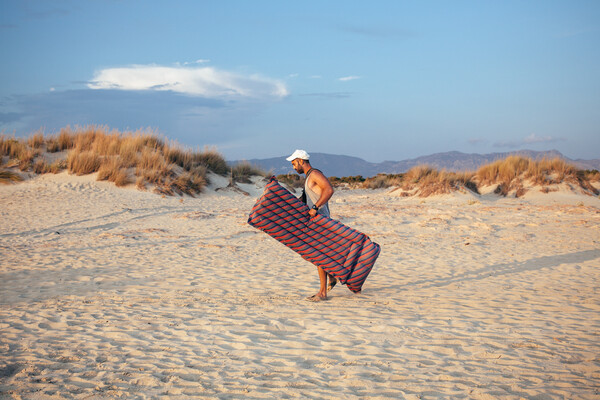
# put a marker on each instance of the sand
(116, 293)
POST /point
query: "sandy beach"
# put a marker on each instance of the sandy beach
(118, 293)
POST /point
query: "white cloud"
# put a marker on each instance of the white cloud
(196, 81)
(349, 78)
(533, 138)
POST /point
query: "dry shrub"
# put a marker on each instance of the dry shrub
(429, 181)
(106, 144)
(62, 142)
(347, 181)
(520, 191)
(167, 166)
(243, 171)
(65, 139)
(57, 166)
(7, 177)
(36, 141)
(177, 156)
(377, 182)
(41, 167)
(83, 162)
(153, 168)
(84, 139)
(292, 181)
(212, 160)
(510, 173)
(140, 183)
(4, 145)
(591, 175)
(151, 160)
(12, 147)
(505, 173)
(26, 159)
(188, 183)
(113, 170)
(52, 145)
(150, 141)
(381, 181)
(121, 178)
(552, 171)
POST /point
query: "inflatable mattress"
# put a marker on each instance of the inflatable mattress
(346, 253)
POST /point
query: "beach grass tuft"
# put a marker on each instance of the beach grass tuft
(243, 171)
(9, 177)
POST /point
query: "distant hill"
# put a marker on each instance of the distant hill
(340, 165)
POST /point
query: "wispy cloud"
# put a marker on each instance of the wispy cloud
(529, 140)
(205, 82)
(348, 78)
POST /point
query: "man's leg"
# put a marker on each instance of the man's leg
(322, 282)
(332, 282)
(322, 293)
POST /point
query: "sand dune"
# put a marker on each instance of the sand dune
(117, 293)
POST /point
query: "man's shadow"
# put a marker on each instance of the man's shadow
(506, 269)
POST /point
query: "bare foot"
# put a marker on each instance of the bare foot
(316, 297)
(332, 282)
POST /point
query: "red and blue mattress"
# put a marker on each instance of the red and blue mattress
(343, 252)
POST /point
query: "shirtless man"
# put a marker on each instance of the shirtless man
(318, 192)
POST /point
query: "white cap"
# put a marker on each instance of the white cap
(301, 154)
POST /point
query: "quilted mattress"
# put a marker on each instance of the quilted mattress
(346, 253)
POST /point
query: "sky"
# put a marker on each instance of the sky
(379, 80)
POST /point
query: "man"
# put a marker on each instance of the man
(318, 191)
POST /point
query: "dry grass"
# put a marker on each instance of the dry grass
(7, 177)
(292, 181)
(382, 181)
(83, 162)
(36, 141)
(511, 173)
(428, 181)
(591, 175)
(347, 181)
(212, 160)
(26, 158)
(12, 147)
(117, 156)
(112, 169)
(41, 167)
(152, 162)
(243, 171)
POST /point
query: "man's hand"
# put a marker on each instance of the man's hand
(312, 212)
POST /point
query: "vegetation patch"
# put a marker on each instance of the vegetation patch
(140, 157)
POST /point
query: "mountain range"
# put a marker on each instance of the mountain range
(341, 165)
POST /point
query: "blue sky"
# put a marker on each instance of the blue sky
(381, 80)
